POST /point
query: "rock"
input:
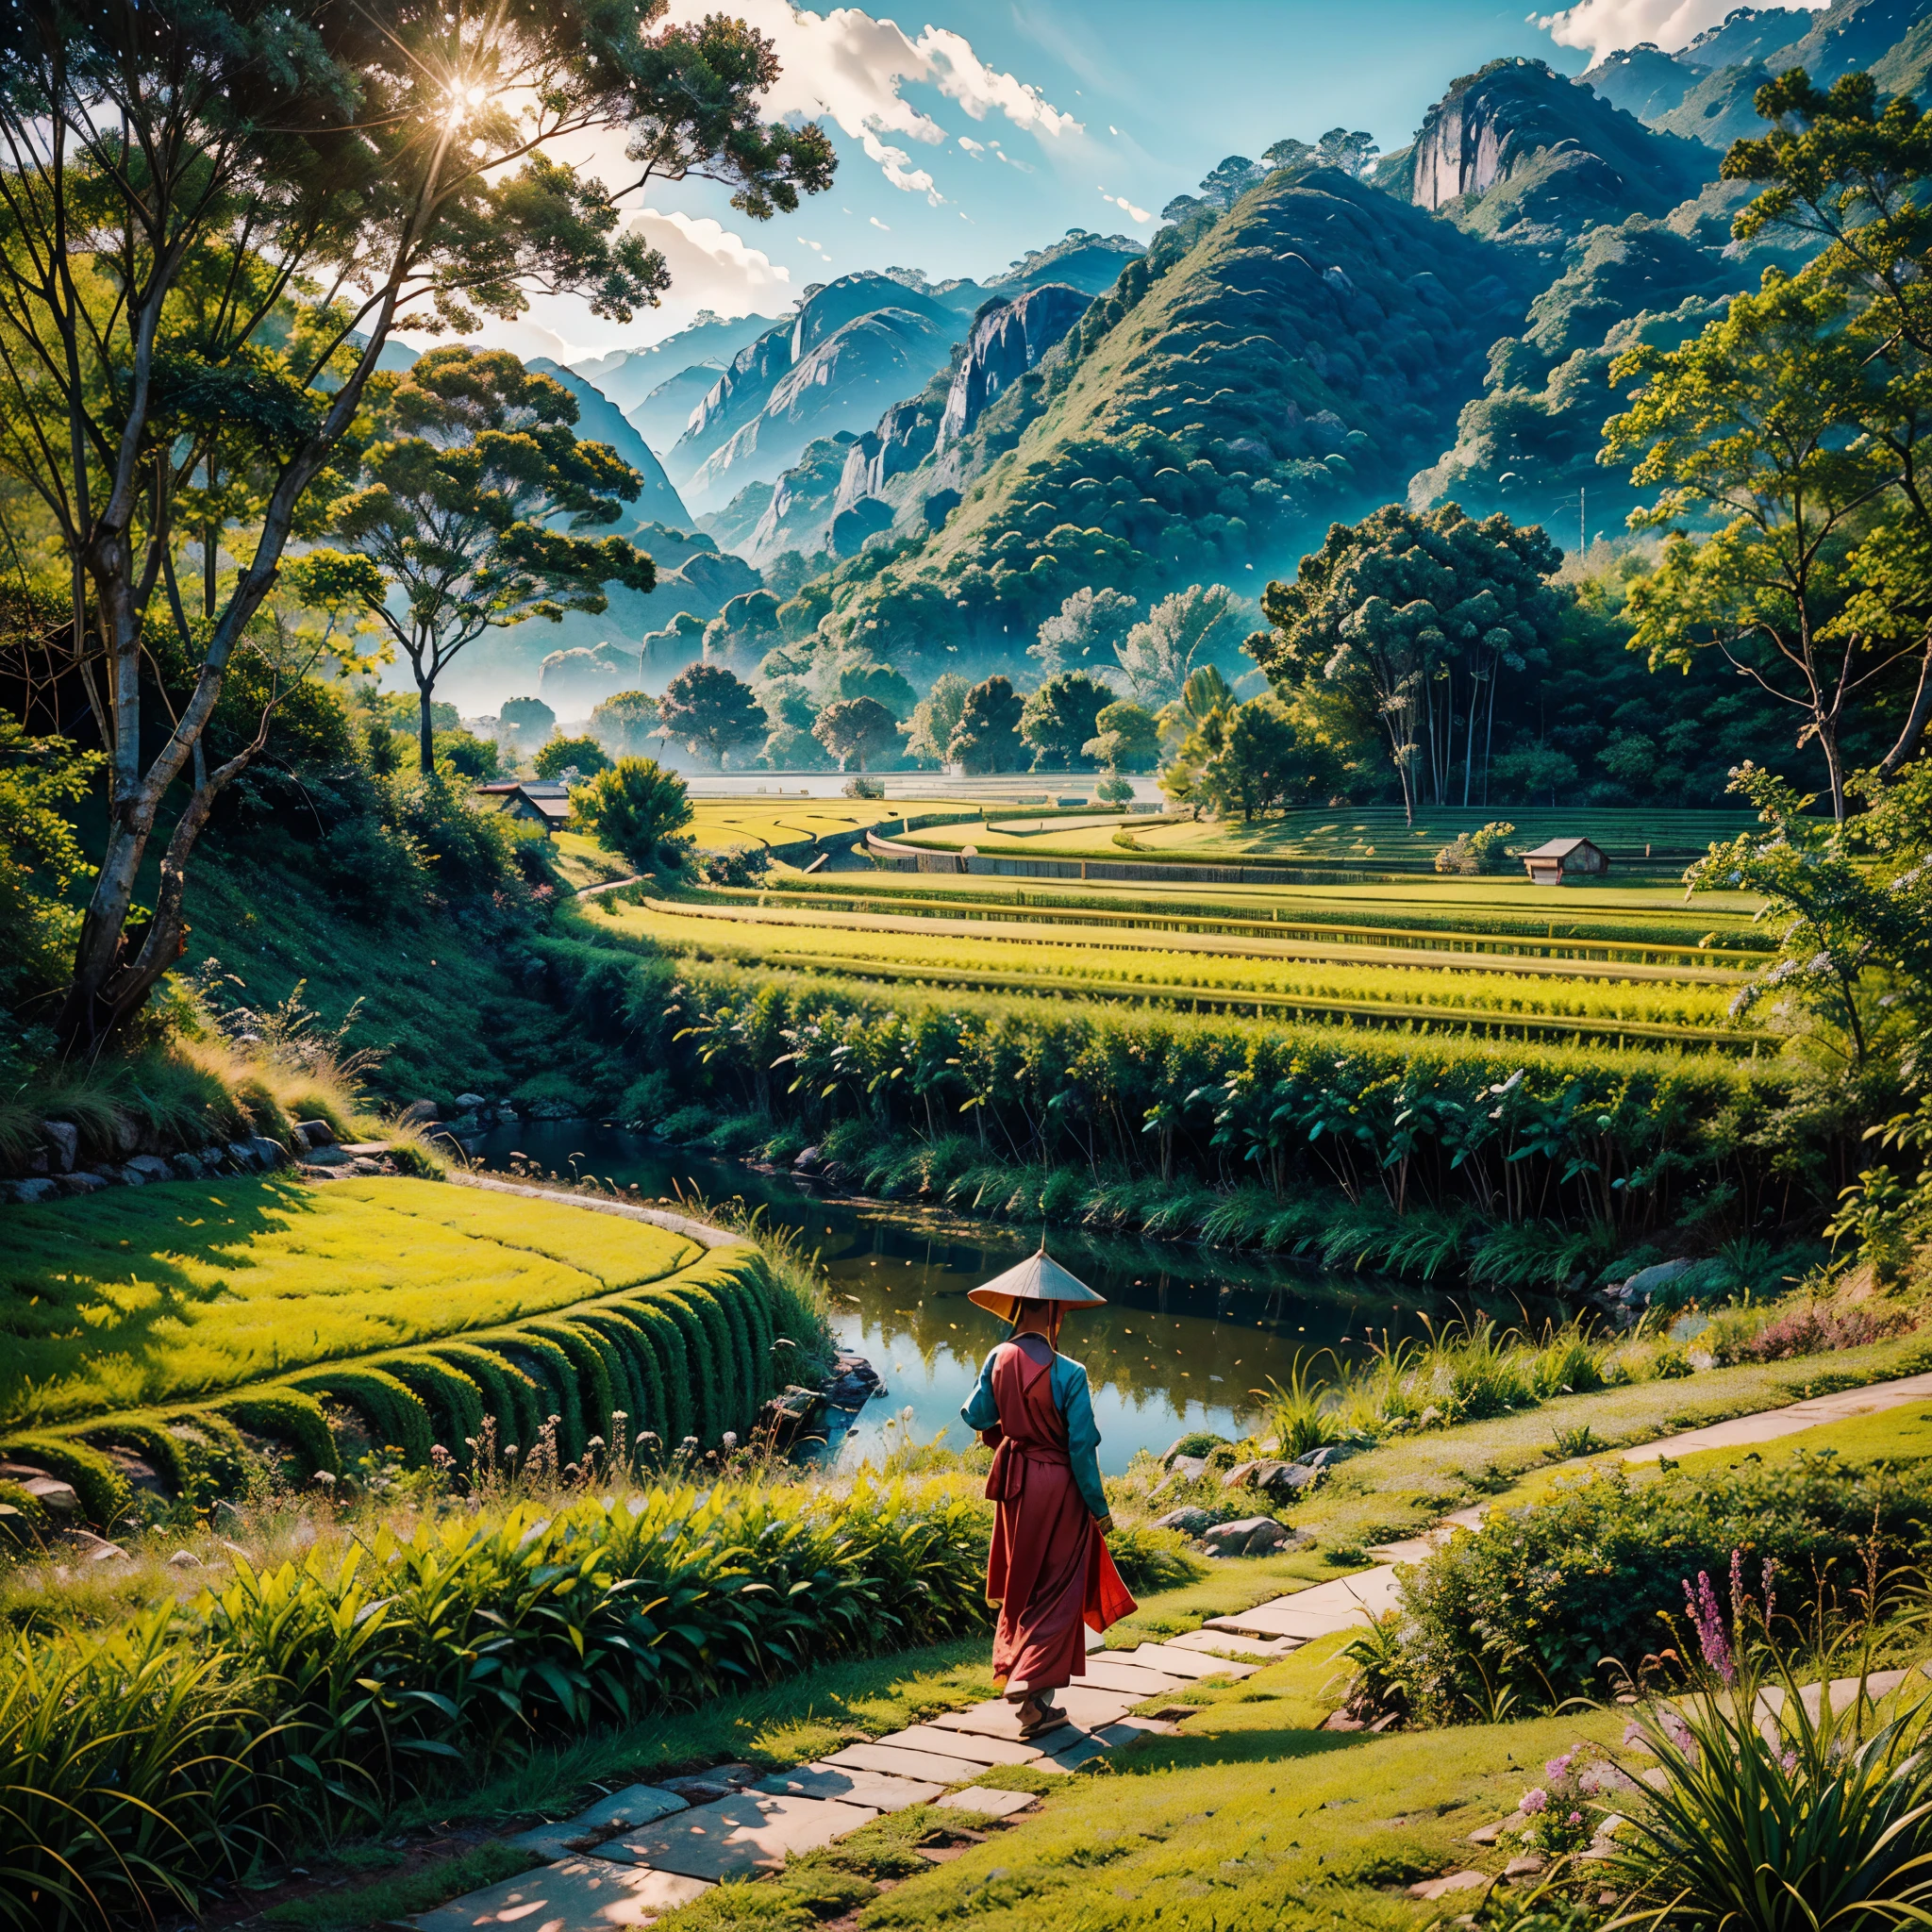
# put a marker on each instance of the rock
(28, 1191)
(808, 1161)
(418, 1113)
(1275, 1478)
(83, 1182)
(63, 1143)
(151, 1167)
(1609, 1824)
(213, 1157)
(1006, 342)
(507, 1116)
(1190, 1522)
(49, 1492)
(330, 1156)
(1329, 1454)
(1639, 1287)
(1657, 1778)
(186, 1166)
(1188, 1468)
(1341, 1721)
(106, 1553)
(1455, 1881)
(470, 1103)
(244, 1155)
(315, 1133)
(271, 1154)
(1526, 1865)
(184, 1559)
(1253, 1535)
(1486, 1834)
(125, 1177)
(127, 1134)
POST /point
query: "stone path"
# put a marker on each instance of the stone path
(644, 1850)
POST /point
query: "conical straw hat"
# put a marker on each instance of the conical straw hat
(1039, 1278)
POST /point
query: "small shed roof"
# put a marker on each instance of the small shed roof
(1559, 848)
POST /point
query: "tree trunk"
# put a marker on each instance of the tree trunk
(426, 735)
(1914, 729)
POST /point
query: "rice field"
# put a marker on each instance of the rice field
(143, 1297)
(1427, 989)
(725, 824)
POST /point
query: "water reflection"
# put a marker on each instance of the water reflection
(1188, 1333)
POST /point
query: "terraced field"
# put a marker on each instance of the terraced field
(1430, 979)
(720, 824)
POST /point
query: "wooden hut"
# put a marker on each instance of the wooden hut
(1561, 860)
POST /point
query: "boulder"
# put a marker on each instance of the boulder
(244, 1155)
(49, 1492)
(83, 1182)
(330, 1156)
(28, 1191)
(1190, 1522)
(63, 1143)
(1638, 1288)
(808, 1161)
(1329, 1453)
(213, 1157)
(1253, 1535)
(187, 1167)
(315, 1133)
(1273, 1478)
(126, 1176)
(1188, 1468)
(418, 1112)
(151, 1167)
(469, 1103)
(184, 1559)
(271, 1154)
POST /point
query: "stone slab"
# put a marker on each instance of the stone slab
(1093, 1639)
(627, 1810)
(981, 1750)
(1076, 1754)
(552, 1843)
(572, 1895)
(1742, 1431)
(743, 1836)
(986, 1803)
(928, 1766)
(876, 1789)
(995, 1718)
(1222, 1643)
(1131, 1729)
(1189, 1665)
(1320, 1611)
(1114, 1673)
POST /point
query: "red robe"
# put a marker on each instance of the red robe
(1049, 1570)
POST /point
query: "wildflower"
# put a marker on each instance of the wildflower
(1556, 1768)
(1789, 1763)
(1534, 1800)
(1709, 1624)
(1576, 1818)
(322, 1480)
(731, 1439)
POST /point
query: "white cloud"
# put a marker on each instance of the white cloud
(712, 268)
(1126, 207)
(878, 224)
(850, 68)
(1113, 130)
(1606, 25)
(975, 148)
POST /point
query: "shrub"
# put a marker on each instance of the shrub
(101, 1489)
(633, 808)
(1557, 1600)
(1150, 1559)
(294, 1420)
(863, 788)
(1483, 851)
(395, 1415)
(556, 756)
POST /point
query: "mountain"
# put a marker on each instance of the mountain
(598, 420)
(1523, 153)
(1249, 379)
(628, 376)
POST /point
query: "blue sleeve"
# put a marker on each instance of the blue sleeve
(1075, 1402)
(981, 1410)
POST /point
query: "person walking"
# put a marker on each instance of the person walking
(1048, 1571)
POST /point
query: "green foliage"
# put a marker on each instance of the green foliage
(556, 755)
(293, 1420)
(623, 722)
(710, 711)
(528, 718)
(632, 808)
(1473, 853)
(1258, 758)
(41, 781)
(1125, 739)
(397, 1416)
(1183, 632)
(855, 729)
(1555, 1600)
(936, 719)
(1059, 719)
(988, 734)
(1085, 633)
(1400, 605)
(100, 1488)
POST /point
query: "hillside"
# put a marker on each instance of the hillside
(630, 377)
(1245, 383)
(600, 421)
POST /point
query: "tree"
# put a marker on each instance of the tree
(1085, 633)
(988, 738)
(936, 719)
(1748, 431)
(632, 808)
(583, 756)
(526, 717)
(1126, 739)
(1060, 718)
(1393, 606)
(467, 755)
(711, 710)
(1354, 154)
(41, 780)
(624, 721)
(1533, 769)
(861, 678)
(1195, 725)
(474, 465)
(855, 729)
(1180, 632)
(180, 176)
(1289, 153)
(1262, 763)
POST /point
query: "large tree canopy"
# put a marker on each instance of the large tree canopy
(1400, 607)
(213, 214)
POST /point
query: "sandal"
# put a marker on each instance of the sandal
(1049, 1717)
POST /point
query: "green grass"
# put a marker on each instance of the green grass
(388, 1900)
(157, 1295)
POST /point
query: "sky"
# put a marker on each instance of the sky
(969, 131)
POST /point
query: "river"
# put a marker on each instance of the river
(1187, 1337)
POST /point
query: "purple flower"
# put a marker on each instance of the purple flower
(1789, 1763)
(1709, 1621)
(1555, 1769)
(1532, 1802)
(1576, 1818)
